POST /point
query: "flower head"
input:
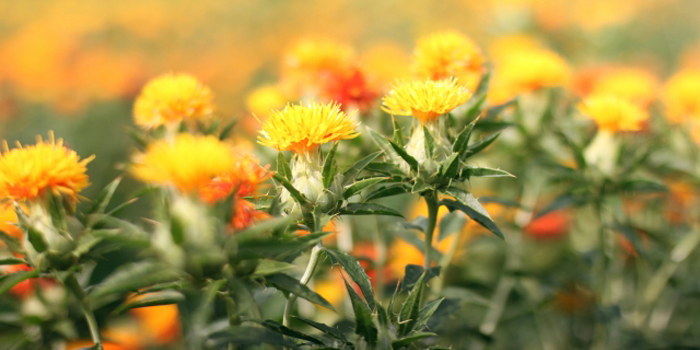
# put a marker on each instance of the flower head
(187, 163)
(636, 85)
(27, 173)
(425, 100)
(681, 95)
(447, 54)
(310, 56)
(172, 98)
(526, 71)
(613, 113)
(302, 129)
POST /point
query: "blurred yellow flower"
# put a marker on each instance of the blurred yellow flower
(613, 113)
(302, 129)
(425, 100)
(8, 222)
(503, 46)
(527, 71)
(636, 85)
(187, 163)
(172, 98)
(263, 100)
(681, 95)
(26, 173)
(448, 54)
(317, 56)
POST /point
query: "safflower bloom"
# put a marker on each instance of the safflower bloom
(614, 114)
(309, 56)
(244, 178)
(681, 95)
(27, 173)
(172, 98)
(301, 129)
(636, 85)
(527, 71)
(448, 54)
(187, 163)
(425, 100)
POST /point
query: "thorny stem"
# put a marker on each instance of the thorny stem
(74, 286)
(310, 267)
(431, 199)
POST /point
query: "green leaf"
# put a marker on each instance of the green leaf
(413, 273)
(479, 146)
(398, 137)
(131, 278)
(633, 237)
(420, 186)
(351, 173)
(249, 336)
(355, 271)
(387, 191)
(429, 142)
(11, 280)
(279, 328)
(451, 223)
(379, 139)
(642, 185)
(410, 339)
(331, 331)
(12, 243)
(408, 315)
(291, 285)
(388, 169)
(165, 297)
(329, 166)
(227, 129)
(460, 145)
(563, 201)
(364, 325)
(474, 108)
(358, 186)
(450, 166)
(268, 267)
(104, 197)
(426, 313)
(292, 190)
(477, 171)
(466, 202)
(12, 261)
(412, 162)
(369, 209)
(283, 167)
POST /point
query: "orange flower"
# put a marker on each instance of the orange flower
(550, 226)
(350, 89)
(635, 85)
(448, 54)
(26, 287)
(160, 324)
(680, 95)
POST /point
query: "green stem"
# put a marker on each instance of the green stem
(74, 286)
(431, 199)
(310, 267)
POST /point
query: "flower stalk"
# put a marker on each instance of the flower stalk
(71, 282)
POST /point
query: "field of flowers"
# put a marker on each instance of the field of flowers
(497, 174)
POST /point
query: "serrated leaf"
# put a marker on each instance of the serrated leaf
(426, 313)
(387, 191)
(408, 315)
(283, 167)
(291, 285)
(165, 297)
(351, 173)
(412, 273)
(412, 162)
(358, 186)
(398, 136)
(466, 202)
(379, 139)
(474, 109)
(477, 171)
(268, 267)
(479, 146)
(429, 142)
(329, 166)
(131, 278)
(355, 271)
(278, 327)
(450, 166)
(462, 141)
(11, 280)
(292, 190)
(331, 331)
(369, 209)
(99, 205)
(388, 169)
(364, 326)
(410, 339)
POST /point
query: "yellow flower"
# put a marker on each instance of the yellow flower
(27, 173)
(448, 54)
(302, 129)
(425, 100)
(636, 85)
(172, 98)
(264, 99)
(613, 113)
(526, 71)
(187, 163)
(317, 56)
(681, 95)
